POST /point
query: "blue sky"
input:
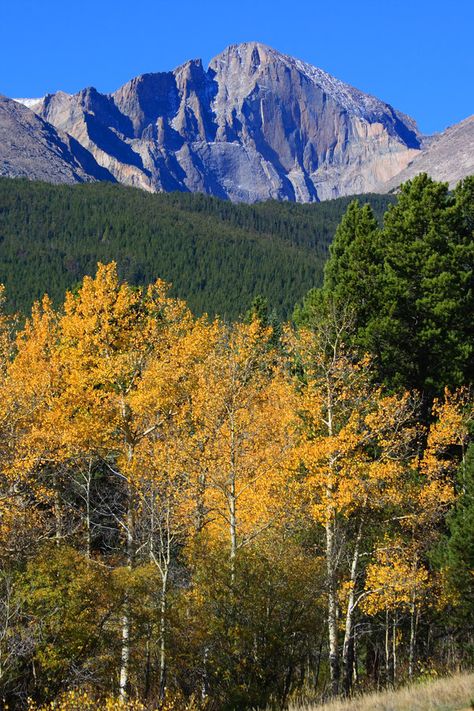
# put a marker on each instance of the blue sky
(418, 55)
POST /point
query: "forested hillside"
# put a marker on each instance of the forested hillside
(217, 255)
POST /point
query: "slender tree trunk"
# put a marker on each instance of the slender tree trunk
(332, 609)
(125, 650)
(413, 625)
(348, 646)
(204, 685)
(57, 513)
(164, 590)
(394, 650)
(232, 532)
(334, 666)
(232, 504)
(88, 511)
(387, 647)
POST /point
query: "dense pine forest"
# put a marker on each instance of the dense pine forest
(217, 255)
(217, 515)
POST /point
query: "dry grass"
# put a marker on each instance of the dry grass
(454, 693)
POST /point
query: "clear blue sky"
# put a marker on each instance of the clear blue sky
(416, 54)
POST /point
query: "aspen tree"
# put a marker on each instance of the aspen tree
(111, 337)
(242, 408)
(398, 578)
(354, 445)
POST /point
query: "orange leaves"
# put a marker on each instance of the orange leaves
(355, 443)
(395, 578)
(448, 432)
(242, 413)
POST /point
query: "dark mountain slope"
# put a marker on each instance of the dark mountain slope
(216, 254)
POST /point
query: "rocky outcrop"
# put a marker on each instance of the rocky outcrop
(31, 147)
(255, 125)
(449, 157)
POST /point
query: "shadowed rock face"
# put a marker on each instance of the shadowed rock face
(33, 148)
(255, 125)
(449, 157)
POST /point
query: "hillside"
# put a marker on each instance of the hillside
(216, 254)
(449, 157)
(450, 694)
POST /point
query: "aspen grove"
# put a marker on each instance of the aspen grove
(203, 515)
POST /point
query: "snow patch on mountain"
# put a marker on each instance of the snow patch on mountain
(29, 102)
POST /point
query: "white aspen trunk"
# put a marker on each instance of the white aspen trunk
(232, 504)
(232, 531)
(57, 513)
(125, 650)
(332, 609)
(151, 539)
(334, 666)
(355, 676)
(394, 650)
(88, 511)
(348, 645)
(162, 561)
(413, 624)
(387, 647)
(164, 586)
(205, 655)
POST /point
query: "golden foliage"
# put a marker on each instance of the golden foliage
(395, 578)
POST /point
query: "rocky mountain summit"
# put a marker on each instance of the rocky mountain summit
(255, 125)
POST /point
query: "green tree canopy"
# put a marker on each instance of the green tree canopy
(409, 284)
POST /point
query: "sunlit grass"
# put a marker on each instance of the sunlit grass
(455, 693)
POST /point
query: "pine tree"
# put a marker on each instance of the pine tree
(409, 285)
(459, 550)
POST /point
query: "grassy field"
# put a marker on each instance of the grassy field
(454, 693)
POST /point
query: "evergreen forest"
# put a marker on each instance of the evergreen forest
(218, 256)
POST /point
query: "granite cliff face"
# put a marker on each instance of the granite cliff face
(255, 125)
(32, 148)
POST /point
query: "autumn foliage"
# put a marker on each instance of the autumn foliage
(203, 515)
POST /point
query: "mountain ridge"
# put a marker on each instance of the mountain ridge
(255, 125)
(448, 157)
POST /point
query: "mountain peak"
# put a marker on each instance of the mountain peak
(250, 57)
(257, 124)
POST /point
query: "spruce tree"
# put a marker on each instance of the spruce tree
(409, 285)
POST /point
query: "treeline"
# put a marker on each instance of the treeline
(217, 255)
(197, 515)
